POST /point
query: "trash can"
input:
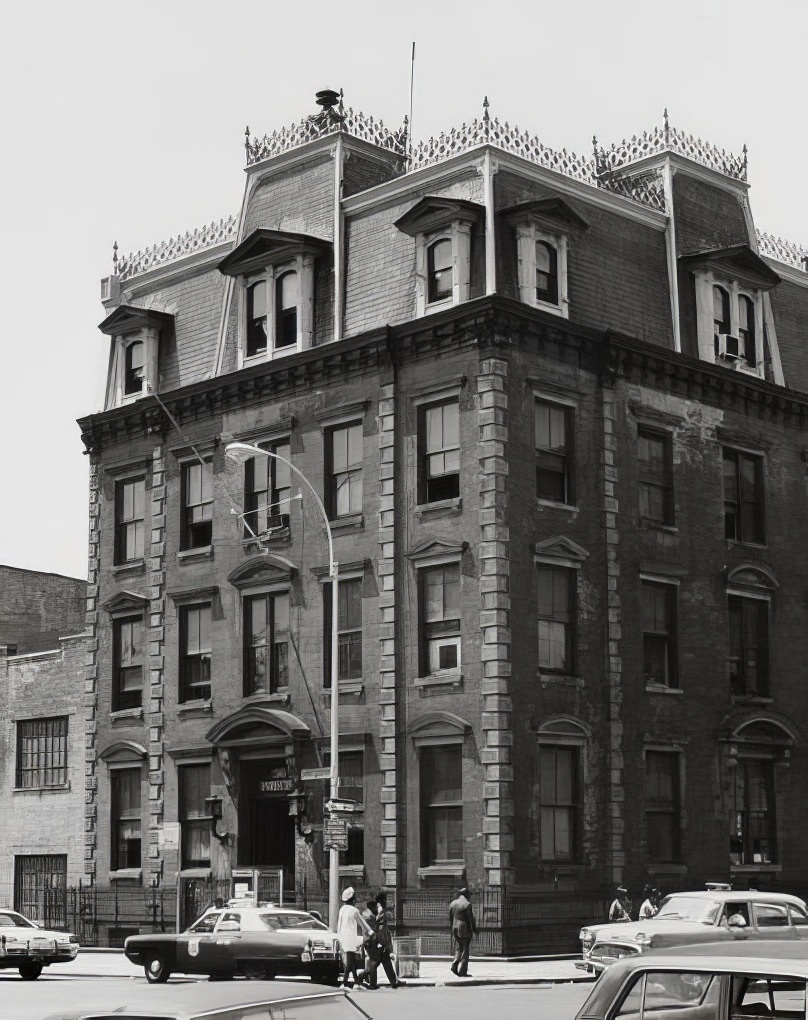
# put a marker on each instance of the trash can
(408, 957)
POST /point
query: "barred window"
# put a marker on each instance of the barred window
(41, 753)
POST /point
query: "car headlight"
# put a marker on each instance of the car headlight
(586, 936)
(642, 938)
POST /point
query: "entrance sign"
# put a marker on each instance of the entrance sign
(323, 773)
(335, 834)
(276, 786)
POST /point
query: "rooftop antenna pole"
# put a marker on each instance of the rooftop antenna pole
(412, 81)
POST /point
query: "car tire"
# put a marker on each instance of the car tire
(254, 971)
(326, 977)
(156, 969)
(30, 971)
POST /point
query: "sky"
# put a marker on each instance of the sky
(125, 122)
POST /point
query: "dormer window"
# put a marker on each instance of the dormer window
(439, 270)
(276, 272)
(134, 368)
(287, 300)
(546, 272)
(256, 342)
(730, 284)
(444, 230)
(543, 231)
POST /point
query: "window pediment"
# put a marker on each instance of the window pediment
(130, 319)
(752, 575)
(562, 729)
(268, 568)
(126, 602)
(124, 751)
(257, 724)
(270, 247)
(737, 263)
(560, 547)
(433, 213)
(552, 214)
(439, 726)
(437, 548)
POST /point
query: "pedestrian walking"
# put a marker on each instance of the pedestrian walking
(351, 930)
(463, 928)
(371, 945)
(650, 905)
(383, 919)
(620, 910)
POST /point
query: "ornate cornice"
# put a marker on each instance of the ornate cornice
(787, 252)
(126, 266)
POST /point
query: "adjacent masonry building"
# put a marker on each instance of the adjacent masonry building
(556, 408)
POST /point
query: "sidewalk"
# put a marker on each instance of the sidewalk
(433, 970)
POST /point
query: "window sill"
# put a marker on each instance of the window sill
(56, 788)
(131, 567)
(191, 555)
(125, 714)
(354, 687)
(126, 874)
(649, 525)
(663, 689)
(278, 698)
(356, 871)
(201, 707)
(350, 522)
(445, 506)
(195, 873)
(438, 306)
(548, 306)
(559, 679)
(732, 542)
(447, 678)
(443, 870)
(751, 869)
(556, 505)
(751, 699)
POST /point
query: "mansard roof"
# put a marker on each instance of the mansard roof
(264, 247)
(738, 260)
(555, 212)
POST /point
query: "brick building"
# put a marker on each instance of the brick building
(557, 411)
(43, 651)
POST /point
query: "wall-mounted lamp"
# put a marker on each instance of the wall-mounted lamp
(216, 812)
(732, 756)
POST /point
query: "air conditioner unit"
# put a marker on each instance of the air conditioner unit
(729, 347)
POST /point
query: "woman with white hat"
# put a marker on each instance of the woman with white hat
(351, 930)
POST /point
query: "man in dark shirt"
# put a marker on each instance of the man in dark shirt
(463, 927)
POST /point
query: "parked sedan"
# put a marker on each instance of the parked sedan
(691, 917)
(28, 948)
(257, 942)
(718, 981)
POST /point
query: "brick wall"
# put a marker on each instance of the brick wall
(36, 609)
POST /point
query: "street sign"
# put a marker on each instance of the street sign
(323, 773)
(335, 834)
(340, 806)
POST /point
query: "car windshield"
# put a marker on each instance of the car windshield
(689, 908)
(11, 920)
(278, 919)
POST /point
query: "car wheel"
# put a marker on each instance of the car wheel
(326, 977)
(254, 971)
(156, 968)
(30, 971)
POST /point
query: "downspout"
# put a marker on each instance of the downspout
(338, 228)
(670, 243)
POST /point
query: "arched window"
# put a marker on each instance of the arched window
(546, 272)
(746, 328)
(286, 303)
(133, 371)
(256, 318)
(721, 321)
(439, 270)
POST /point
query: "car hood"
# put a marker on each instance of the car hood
(27, 934)
(628, 931)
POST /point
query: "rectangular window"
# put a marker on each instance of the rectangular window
(560, 802)
(440, 618)
(655, 468)
(266, 643)
(267, 488)
(197, 506)
(659, 645)
(556, 610)
(344, 467)
(662, 806)
(128, 637)
(195, 652)
(553, 428)
(130, 514)
(441, 788)
(743, 497)
(748, 646)
(753, 826)
(41, 753)
(194, 787)
(439, 452)
(125, 828)
(349, 630)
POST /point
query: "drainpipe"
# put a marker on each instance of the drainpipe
(670, 242)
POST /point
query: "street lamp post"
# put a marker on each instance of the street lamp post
(241, 452)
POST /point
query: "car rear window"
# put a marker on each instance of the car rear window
(287, 919)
